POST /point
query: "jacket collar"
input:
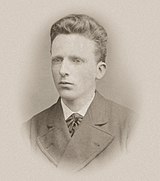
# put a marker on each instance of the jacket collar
(91, 138)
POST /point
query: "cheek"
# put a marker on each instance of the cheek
(54, 69)
(55, 73)
(87, 79)
(89, 74)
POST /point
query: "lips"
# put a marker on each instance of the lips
(65, 83)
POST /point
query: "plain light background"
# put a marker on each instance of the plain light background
(132, 79)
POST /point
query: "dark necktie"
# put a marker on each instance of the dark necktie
(73, 122)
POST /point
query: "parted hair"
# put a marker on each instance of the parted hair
(83, 25)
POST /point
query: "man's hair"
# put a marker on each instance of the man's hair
(85, 26)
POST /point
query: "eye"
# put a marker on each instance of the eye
(57, 60)
(76, 60)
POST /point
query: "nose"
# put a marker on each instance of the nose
(64, 69)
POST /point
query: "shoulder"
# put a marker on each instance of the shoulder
(42, 116)
(120, 110)
(115, 109)
(121, 119)
(31, 126)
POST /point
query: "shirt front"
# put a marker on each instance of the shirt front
(67, 112)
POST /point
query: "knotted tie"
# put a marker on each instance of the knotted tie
(73, 122)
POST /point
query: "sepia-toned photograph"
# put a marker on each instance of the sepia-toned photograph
(82, 123)
(80, 90)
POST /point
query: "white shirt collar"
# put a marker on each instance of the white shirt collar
(67, 112)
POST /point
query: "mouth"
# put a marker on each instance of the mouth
(65, 83)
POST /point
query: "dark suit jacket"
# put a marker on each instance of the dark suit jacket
(104, 124)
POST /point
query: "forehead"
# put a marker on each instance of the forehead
(73, 44)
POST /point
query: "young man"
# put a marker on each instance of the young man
(82, 124)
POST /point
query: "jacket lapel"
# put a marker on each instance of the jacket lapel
(54, 135)
(92, 137)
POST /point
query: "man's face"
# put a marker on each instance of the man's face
(74, 66)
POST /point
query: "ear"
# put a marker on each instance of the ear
(101, 69)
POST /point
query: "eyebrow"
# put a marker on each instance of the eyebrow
(56, 57)
(81, 58)
(70, 57)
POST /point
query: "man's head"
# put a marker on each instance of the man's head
(78, 50)
(82, 25)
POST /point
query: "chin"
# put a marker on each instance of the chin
(68, 95)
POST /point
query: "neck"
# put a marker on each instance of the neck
(77, 104)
